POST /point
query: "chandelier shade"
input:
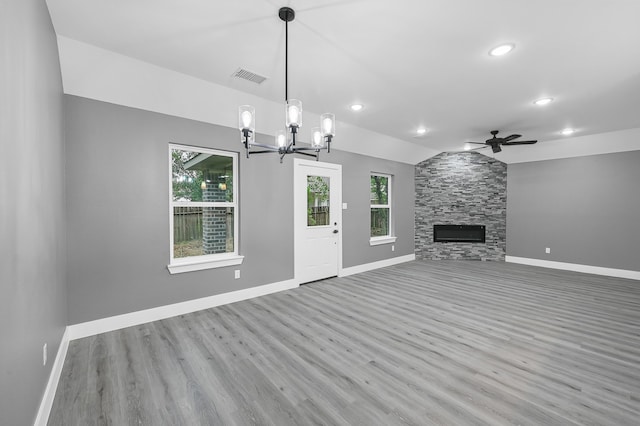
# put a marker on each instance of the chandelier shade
(247, 123)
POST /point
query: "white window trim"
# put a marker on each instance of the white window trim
(210, 261)
(198, 264)
(383, 239)
(376, 241)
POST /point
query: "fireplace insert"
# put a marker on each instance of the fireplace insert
(459, 233)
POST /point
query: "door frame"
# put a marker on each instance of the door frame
(299, 221)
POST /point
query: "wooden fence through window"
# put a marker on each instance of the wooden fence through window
(318, 216)
(187, 224)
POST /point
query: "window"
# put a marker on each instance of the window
(204, 209)
(380, 196)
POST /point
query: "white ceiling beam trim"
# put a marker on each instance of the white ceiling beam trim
(95, 73)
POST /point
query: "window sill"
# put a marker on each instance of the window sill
(199, 265)
(376, 241)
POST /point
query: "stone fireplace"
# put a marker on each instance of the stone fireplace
(465, 188)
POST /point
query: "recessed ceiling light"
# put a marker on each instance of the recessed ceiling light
(421, 131)
(467, 146)
(567, 131)
(543, 101)
(356, 107)
(503, 49)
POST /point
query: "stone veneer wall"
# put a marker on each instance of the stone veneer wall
(465, 188)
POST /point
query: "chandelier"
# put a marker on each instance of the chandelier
(285, 142)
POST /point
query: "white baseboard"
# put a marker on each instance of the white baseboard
(587, 269)
(103, 325)
(90, 328)
(50, 391)
(375, 265)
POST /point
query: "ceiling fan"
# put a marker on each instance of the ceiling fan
(495, 142)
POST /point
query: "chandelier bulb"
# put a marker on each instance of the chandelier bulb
(316, 138)
(246, 119)
(293, 115)
(327, 125)
(281, 138)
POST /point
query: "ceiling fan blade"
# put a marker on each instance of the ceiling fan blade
(520, 143)
(478, 143)
(510, 138)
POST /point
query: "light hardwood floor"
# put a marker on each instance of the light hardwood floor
(450, 343)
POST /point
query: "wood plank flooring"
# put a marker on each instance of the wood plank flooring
(422, 343)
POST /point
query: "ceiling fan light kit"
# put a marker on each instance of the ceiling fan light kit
(285, 140)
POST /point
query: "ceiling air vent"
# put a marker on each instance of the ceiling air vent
(249, 76)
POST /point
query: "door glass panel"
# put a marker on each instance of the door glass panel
(317, 200)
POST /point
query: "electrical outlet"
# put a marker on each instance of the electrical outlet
(237, 273)
(393, 248)
(44, 354)
(547, 250)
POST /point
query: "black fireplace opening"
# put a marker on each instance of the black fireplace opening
(459, 233)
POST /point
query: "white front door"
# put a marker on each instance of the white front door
(317, 219)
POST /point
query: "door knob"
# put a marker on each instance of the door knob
(335, 231)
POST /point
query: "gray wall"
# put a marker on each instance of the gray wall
(33, 307)
(118, 214)
(356, 184)
(465, 188)
(586, 209)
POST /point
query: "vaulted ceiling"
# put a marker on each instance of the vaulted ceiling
(410, 63)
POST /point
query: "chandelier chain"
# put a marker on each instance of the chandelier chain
(286, 61)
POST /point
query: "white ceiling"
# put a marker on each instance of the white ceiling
(410, 62)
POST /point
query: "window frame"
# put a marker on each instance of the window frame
(390, 237)
(206, 261)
